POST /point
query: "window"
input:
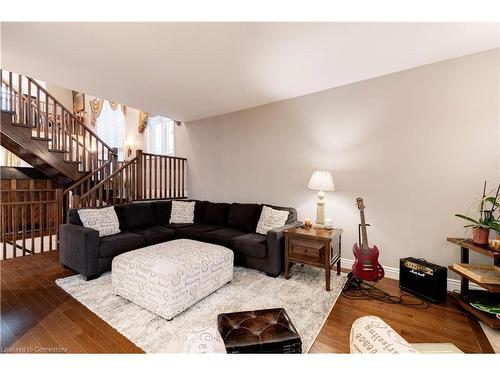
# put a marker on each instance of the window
(111, 127)
(160, 136)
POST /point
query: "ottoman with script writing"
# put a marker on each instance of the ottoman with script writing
(169, 277)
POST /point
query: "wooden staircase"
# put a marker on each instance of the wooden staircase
(40, 130)
(36, 127)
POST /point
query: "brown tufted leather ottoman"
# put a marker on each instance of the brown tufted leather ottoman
(260, 331)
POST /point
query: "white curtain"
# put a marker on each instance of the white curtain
(110, 127)
(160, 136)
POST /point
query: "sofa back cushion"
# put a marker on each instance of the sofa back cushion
(216, 213)
(199, 211)
(161, 212)
(243, 216)
(135, 215)
(74, 218)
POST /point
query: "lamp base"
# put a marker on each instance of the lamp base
(320, 213)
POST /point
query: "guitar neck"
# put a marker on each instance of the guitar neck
(364, 234)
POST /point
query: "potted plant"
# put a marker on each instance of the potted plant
(487, 220)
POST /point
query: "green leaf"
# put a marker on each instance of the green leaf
(493, 201)
(484, 226)
(467, 218)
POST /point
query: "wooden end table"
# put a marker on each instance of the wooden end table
(315, 247)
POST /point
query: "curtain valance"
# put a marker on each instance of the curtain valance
(96, 105)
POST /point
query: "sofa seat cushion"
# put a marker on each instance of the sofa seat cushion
(195, 231)
(156, 234)
(251, 244)
(120, 243)
(176, 227)
(221, 236)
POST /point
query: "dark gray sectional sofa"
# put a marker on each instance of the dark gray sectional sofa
(143, 224)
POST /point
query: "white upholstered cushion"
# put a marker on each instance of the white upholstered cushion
(271, 219)
(372, 335)
(182, 212)
(103, 220)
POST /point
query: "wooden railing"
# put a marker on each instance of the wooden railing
(145, 177)
(35, 107)
(85, 184)
(163, 177)
(29, 224)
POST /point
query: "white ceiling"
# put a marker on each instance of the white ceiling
(190, 71)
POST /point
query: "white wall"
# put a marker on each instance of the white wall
(65, 96)
(416, 145)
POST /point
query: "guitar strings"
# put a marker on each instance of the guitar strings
(366, 291)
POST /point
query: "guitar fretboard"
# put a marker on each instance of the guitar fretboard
(364, 239)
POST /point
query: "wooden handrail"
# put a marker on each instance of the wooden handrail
(87, 177)
(110, 149)
(115, 173)
(28, 202)
(24, 190)
(164, 156)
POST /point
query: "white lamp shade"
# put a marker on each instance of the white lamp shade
(321, 180)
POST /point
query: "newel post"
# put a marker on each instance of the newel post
(60, 214)
(140, 173)
(75, 201)
(114, 159)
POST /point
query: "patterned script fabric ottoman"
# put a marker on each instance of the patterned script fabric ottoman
(169, 277)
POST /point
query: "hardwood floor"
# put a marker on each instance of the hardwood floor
(444, 323)
(38, 316)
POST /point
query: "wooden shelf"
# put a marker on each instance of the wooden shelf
(468, 244)
(493, 288)
(485, 318)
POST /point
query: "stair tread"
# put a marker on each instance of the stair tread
(22, 125)
(59, 151)
(40, 138)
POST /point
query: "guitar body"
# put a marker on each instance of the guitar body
(366, 267)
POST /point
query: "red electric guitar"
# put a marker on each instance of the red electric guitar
(366, 267)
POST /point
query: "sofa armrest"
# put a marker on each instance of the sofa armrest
(276, 246)
(79, 249)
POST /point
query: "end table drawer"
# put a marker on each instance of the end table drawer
(306, 250)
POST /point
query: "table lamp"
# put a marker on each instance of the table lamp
(322, 181)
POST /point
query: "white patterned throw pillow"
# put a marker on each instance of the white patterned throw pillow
(271, 219)
(182, 212)
(103, 220)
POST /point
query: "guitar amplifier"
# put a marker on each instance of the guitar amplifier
(423, 279)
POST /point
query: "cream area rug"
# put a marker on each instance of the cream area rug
(303, 296)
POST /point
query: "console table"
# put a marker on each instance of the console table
(317, 247)
(466, 295)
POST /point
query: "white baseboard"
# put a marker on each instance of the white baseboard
(393, 273)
